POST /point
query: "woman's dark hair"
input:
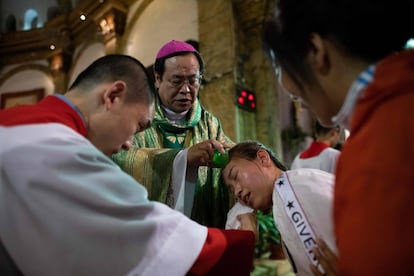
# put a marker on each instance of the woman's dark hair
(368, 29)
(248, 150)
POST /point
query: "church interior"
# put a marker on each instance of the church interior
(45, 44)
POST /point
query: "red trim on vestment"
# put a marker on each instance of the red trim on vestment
(49, 110)
(314, 150)
(225, 252)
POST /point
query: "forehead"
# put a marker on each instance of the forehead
(234, 166)
(183, 63)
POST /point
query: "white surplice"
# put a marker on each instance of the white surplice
(67, 209)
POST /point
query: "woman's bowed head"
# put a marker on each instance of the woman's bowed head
(300, 200)
(251, 172)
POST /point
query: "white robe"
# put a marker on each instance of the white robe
(314, 191)
(325, 161)
(67, 209)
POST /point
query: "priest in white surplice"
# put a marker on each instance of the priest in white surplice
(67, 209)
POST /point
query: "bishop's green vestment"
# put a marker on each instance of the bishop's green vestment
(150, 161)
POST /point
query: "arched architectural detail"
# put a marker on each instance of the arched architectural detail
(10, 24)
(130, 23)
(153, 19)
(43, 68)
(31, 19)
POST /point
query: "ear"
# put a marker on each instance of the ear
(157, 79)
(263, 157)
(318, 56)
(114, 93)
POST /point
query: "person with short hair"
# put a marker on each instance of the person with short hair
(326, 53)
(321, 154)
(67, 209)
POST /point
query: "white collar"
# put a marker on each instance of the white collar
(173, 117)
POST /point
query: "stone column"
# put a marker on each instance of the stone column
(230, 36)
(217, 46)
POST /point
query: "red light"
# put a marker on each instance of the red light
(245, 99)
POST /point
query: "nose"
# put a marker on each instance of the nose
(237, 191)
(128, 143)
(185, 87)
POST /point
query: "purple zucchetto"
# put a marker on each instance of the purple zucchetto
(175, 46)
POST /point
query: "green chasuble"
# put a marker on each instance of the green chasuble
(150, 162)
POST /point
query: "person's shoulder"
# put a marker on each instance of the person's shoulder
(331, 151)
(310, 175)
(34, 133)
(312, 183)
(297, 156)
(294, 164)
(307, 171)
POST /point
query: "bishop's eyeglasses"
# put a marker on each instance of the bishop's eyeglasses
(192, 81)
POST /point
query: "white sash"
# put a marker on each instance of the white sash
(297, 217)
